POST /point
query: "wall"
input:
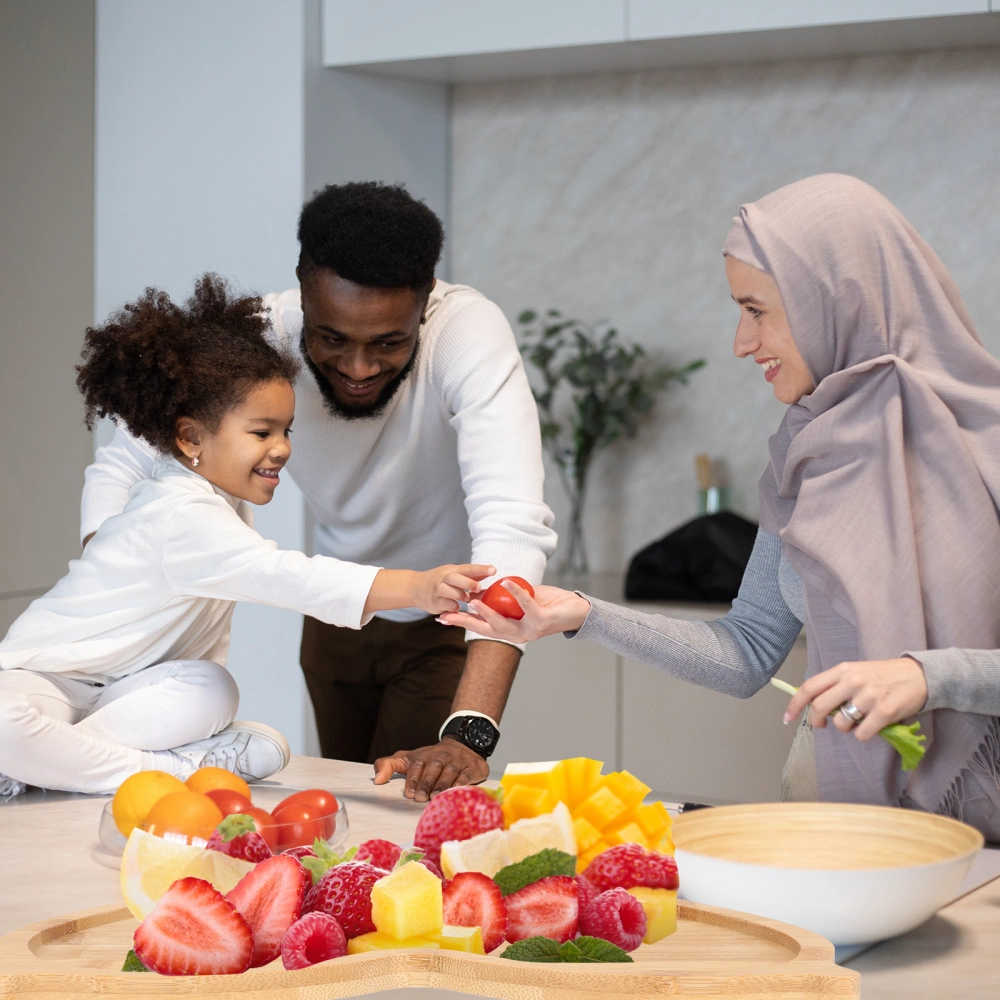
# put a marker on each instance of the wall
(610, 197)
(199, 167)
(46, 273)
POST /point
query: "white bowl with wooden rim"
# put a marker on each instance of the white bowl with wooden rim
(853, 873)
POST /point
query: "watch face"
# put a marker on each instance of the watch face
(479, 734)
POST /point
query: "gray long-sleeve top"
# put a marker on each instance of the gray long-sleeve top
(740, 652)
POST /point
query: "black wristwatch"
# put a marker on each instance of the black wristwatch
(475, 732)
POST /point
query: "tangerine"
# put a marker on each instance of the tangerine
(186, 812)
(137, 794)
(205, 779)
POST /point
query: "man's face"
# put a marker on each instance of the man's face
(359, 340)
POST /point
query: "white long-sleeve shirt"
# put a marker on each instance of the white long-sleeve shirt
(450, 472)
(160, 579)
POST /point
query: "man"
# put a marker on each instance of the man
(416, 443)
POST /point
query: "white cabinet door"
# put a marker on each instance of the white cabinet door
(391, 30)
(562, 705)
(695, 745)
(657, 19)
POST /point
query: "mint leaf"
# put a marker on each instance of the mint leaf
(905, 741)
(568, 952)
(537, 866)
(533, 949)
(593, 949)
(133, 963)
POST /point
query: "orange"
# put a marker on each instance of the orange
(138, 794)
(207, 779)
(186, 812)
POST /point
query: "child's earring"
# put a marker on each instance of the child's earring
(194, 461)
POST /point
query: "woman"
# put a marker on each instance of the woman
(879, 527)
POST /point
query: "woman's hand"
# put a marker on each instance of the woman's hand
(885, 691)
(551, 610)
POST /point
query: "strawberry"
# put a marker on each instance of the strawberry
(237, 836)
(588, 892)
(317, 937)
(456, 814)
(549, 908)
(617, 917)
(345, 893)
(627, 865)
(431, 867)
(270, 899)
(474, 900)
(380, 853)
(300, 852)
(194, 931)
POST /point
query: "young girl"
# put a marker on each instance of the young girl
(121, 666)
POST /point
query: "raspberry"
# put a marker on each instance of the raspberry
(617, 917)
(588, 892)
(628, 865)
(380, 853)
(316, 937)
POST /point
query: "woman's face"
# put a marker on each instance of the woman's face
(763, 332)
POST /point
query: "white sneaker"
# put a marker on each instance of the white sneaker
(9, 787)
(249, 749)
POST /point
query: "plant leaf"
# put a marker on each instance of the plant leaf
(533, 949)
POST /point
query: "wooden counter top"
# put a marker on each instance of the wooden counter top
(48, 843)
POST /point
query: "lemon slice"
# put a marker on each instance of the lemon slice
(485, 852)
(529, 836)
(151, 864)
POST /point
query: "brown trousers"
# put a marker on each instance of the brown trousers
(383, 688)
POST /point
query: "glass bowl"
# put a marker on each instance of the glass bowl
(333, 829)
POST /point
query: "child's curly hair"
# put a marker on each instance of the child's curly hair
(153, 362)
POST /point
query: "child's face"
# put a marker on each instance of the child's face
(246, 453)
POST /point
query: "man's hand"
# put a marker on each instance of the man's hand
(551, 610)
(430, 770)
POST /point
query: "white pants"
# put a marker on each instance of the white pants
(80, 736)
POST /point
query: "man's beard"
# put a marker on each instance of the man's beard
(336, 408)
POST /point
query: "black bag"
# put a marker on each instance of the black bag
(703, 560)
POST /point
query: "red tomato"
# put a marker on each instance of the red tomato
(299, 825)
(265, 824)
(325, 802)
(229, 801)
(502, 600)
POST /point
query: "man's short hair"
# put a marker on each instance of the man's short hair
(376, 235)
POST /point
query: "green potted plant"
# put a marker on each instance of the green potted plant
(611, 386)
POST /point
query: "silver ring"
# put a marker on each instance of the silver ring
(851, 711)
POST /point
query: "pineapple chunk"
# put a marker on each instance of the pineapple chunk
(661, 911)
(407, 903)
(485, 852)
(529, 836)
(586, 834)
(630, 833)
(468, 939)
(601, 808)
(582, 775)
(377, 941)
(626, 787)
(524, 802)
(654, 819)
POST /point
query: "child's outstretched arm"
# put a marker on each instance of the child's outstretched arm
(435, 590)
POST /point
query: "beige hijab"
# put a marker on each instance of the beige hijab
(884, 481)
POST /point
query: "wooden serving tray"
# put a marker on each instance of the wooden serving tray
(714, 953)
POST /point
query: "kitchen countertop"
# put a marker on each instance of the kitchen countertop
(48, 842)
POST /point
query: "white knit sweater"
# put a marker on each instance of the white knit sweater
(450, 471)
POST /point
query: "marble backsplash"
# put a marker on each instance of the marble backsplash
(608, 197)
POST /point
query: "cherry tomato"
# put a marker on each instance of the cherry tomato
(300, 824)
(229, 801)
(265, 824)
(325, 802)
(502, 600)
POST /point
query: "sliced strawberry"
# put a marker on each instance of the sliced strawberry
(194, 931)
(549, 907)
(628, 865)
(345, 893)
(237, 836)
(456, 814)
(474, 900)
(380, 853)
(270, 898)
(617, 917)
(317, 937)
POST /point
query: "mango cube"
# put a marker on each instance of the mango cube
(407, 903)
(626, 787)
(654, 819)
(548, 774)
(586, 834)
(601, 808)
(585, 857)
(665, 845)
(661, 911)
(526, 802)
(377, 941)
(630, 833)
(581, 775)
(468, 939)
